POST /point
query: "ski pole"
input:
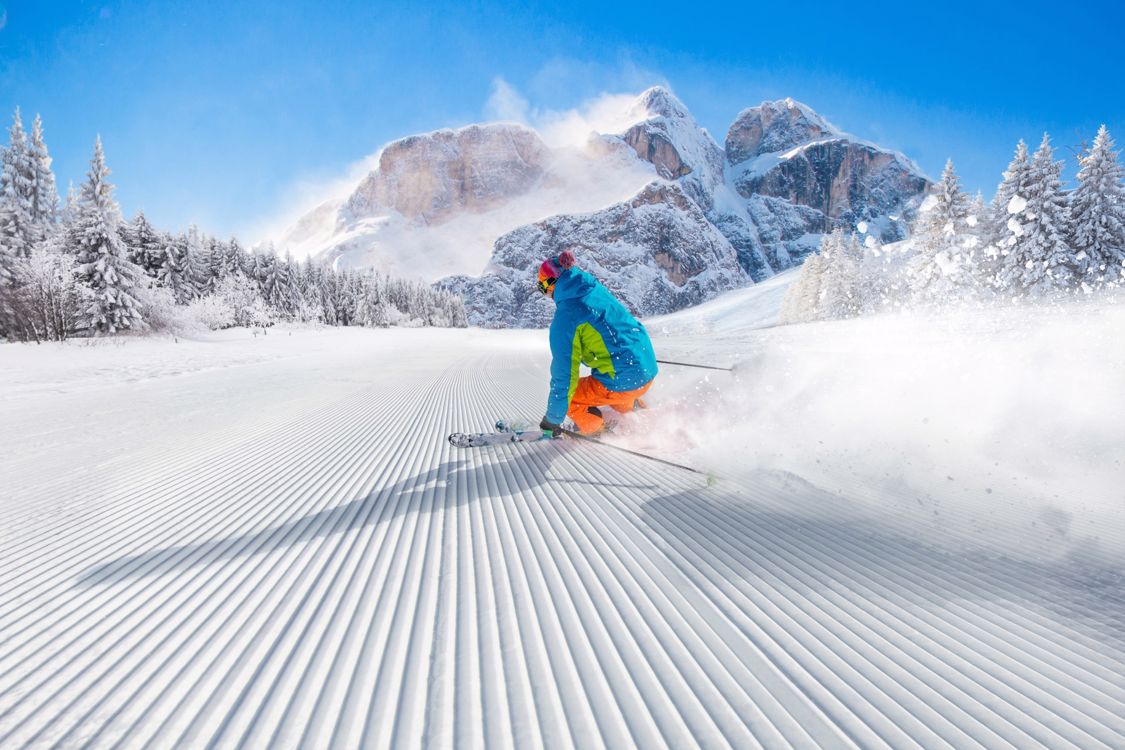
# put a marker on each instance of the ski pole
(702, 367)
(587, 438)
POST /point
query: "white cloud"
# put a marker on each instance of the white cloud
(505, 103)
(566, 130)
(305, 194)
(604, 113)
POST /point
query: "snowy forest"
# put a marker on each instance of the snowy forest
(77, 268)
(1036, 241)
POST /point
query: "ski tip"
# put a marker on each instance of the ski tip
(459, 440)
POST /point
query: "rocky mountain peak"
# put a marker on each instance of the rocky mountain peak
(658, 101)
(430, 177)
(772, 127)
(667, 136)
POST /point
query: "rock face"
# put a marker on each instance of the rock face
(783, 150)
(668, 137)
(773, 127)
(657, 253)
(700, 219)
(844, 181)
(429, 178)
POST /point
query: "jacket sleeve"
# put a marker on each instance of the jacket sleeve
(565, 359)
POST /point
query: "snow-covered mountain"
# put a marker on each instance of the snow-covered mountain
(666, 216)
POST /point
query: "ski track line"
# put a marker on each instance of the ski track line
(250, 704)
(326, 572)
(1080, 651)
(1070, 654)
(674, 477)
(335, 574)
(216, 461)
(67, 481)
(173, 525)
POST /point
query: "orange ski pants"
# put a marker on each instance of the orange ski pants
(592, 393)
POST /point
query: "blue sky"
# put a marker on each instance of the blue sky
(227, 113)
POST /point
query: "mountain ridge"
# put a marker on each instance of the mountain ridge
(446, 204)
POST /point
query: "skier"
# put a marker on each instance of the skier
(591, 327)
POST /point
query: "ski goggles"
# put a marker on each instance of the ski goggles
(546, 282)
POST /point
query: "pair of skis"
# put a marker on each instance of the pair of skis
(506, 433)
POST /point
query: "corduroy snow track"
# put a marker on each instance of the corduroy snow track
(308, 563)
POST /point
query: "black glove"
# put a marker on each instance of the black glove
(548, 427)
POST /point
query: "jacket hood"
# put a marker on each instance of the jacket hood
(573, 284)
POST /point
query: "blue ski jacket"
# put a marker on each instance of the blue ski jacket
(591, 327)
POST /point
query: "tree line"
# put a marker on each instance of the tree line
(1035, 241)
(78, 268)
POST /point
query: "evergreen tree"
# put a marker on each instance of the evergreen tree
(234, 257)
(841, 292)
(275, 286)
(196, 262)
(944, 241)
(17, 187)
(103, 266)
(286, 287)
(145, 244)
(70, 207)
(802, 300)
(45, 196)
(1098, 214)
(176, 269)
(1039, 260)
(999, 232)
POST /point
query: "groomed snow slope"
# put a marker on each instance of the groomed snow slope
(267, 542)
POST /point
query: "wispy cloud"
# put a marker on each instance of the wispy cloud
(603, 113)
(305, 194)
(560, 128)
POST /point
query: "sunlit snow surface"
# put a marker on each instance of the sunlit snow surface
(914, 536)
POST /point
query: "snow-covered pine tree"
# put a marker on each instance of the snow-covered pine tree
(264, 270)
(235, 258)
(214, 257)
(939, 271)
(978, 215)
(802, 300)
(17, 186)
(103, 267)
(196, 262)
(45, 195)
(999, 233)
(372, 308)
(146, 244)
(1039, 261)
(841, 292)
(309, 308)
(287, 286)
(70, 206)
(458, 316)
(174, 270)
(1098, 214)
